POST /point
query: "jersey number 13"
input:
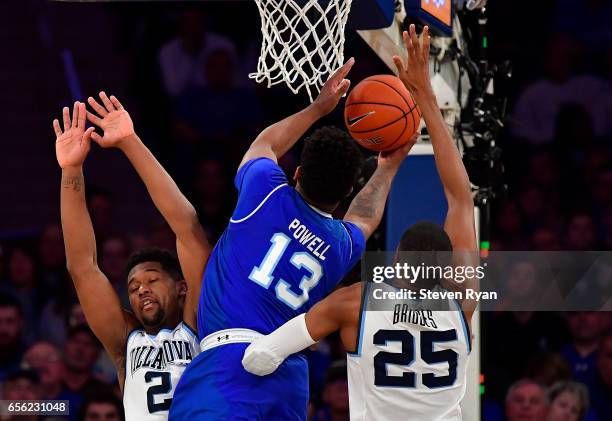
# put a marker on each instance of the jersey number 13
(263, 274)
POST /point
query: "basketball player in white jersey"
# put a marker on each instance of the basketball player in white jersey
(408, 363)
(152, 344)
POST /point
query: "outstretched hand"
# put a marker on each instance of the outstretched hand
(73, 143)
(415, 72)
(112, 119)
(334, 89)
(393, 159)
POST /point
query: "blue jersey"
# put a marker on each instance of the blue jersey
(277, 258)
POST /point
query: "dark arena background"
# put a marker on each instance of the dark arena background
(181, 69)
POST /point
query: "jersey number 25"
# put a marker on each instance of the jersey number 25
(262, 274)
(407, 356)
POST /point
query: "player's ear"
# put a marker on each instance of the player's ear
(298, 174)
(181, 288)
(349, 192)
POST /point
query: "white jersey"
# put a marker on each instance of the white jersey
(410, 363)
(153, 367)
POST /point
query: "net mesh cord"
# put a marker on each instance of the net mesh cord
(303, 42)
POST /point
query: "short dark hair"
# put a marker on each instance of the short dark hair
(101, 397)
(330, 165)
(425, 243)
(425, 236)
(167, 259)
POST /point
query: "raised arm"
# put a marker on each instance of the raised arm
(339, 311)
(100, 303)
(278, 138)
(459, 224)
(192, 246)
(367, 208)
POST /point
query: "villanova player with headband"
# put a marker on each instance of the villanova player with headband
(409, 361)
(152, 344)
(281, 253)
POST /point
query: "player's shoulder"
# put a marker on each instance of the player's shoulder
(181, 331)
(342, 236)
(188, 331)
(259, 177)
(259, 165)
(354, 237)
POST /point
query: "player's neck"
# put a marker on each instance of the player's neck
(322, 207)
(169, 323)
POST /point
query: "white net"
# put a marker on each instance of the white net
(303, 42)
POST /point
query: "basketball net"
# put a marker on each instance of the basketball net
(303, 42)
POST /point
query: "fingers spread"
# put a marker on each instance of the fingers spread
(414, 38)
(426, 41)
(409, 45)
(56, 128)
(94, 119)
(346, 68)
(399, 63)
(343, 87)
(96, 138)
(66, 117)
(116, 102)
(97, 107)
(82, 115)
(406, 38)
(341, 73)
(87, 136)
(75, 114)
(109, 105)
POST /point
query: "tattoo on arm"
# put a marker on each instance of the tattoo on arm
(369, 203)
(74, 183)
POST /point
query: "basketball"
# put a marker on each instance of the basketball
(380, 113)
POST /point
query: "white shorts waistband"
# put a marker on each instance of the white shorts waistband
(228, 336)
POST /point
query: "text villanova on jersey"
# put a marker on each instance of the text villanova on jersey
(175, 352)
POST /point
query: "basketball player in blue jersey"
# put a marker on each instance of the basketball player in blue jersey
(403, 362)
(281, 253)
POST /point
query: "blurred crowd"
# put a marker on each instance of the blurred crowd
(199, 111)
(557, 154)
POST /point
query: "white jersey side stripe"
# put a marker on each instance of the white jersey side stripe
(350, 240)
(362, 316)
(237, 221)
(466, 331)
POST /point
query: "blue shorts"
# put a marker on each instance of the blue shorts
(215, 386)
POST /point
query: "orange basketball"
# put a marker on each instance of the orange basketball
(381, 114)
